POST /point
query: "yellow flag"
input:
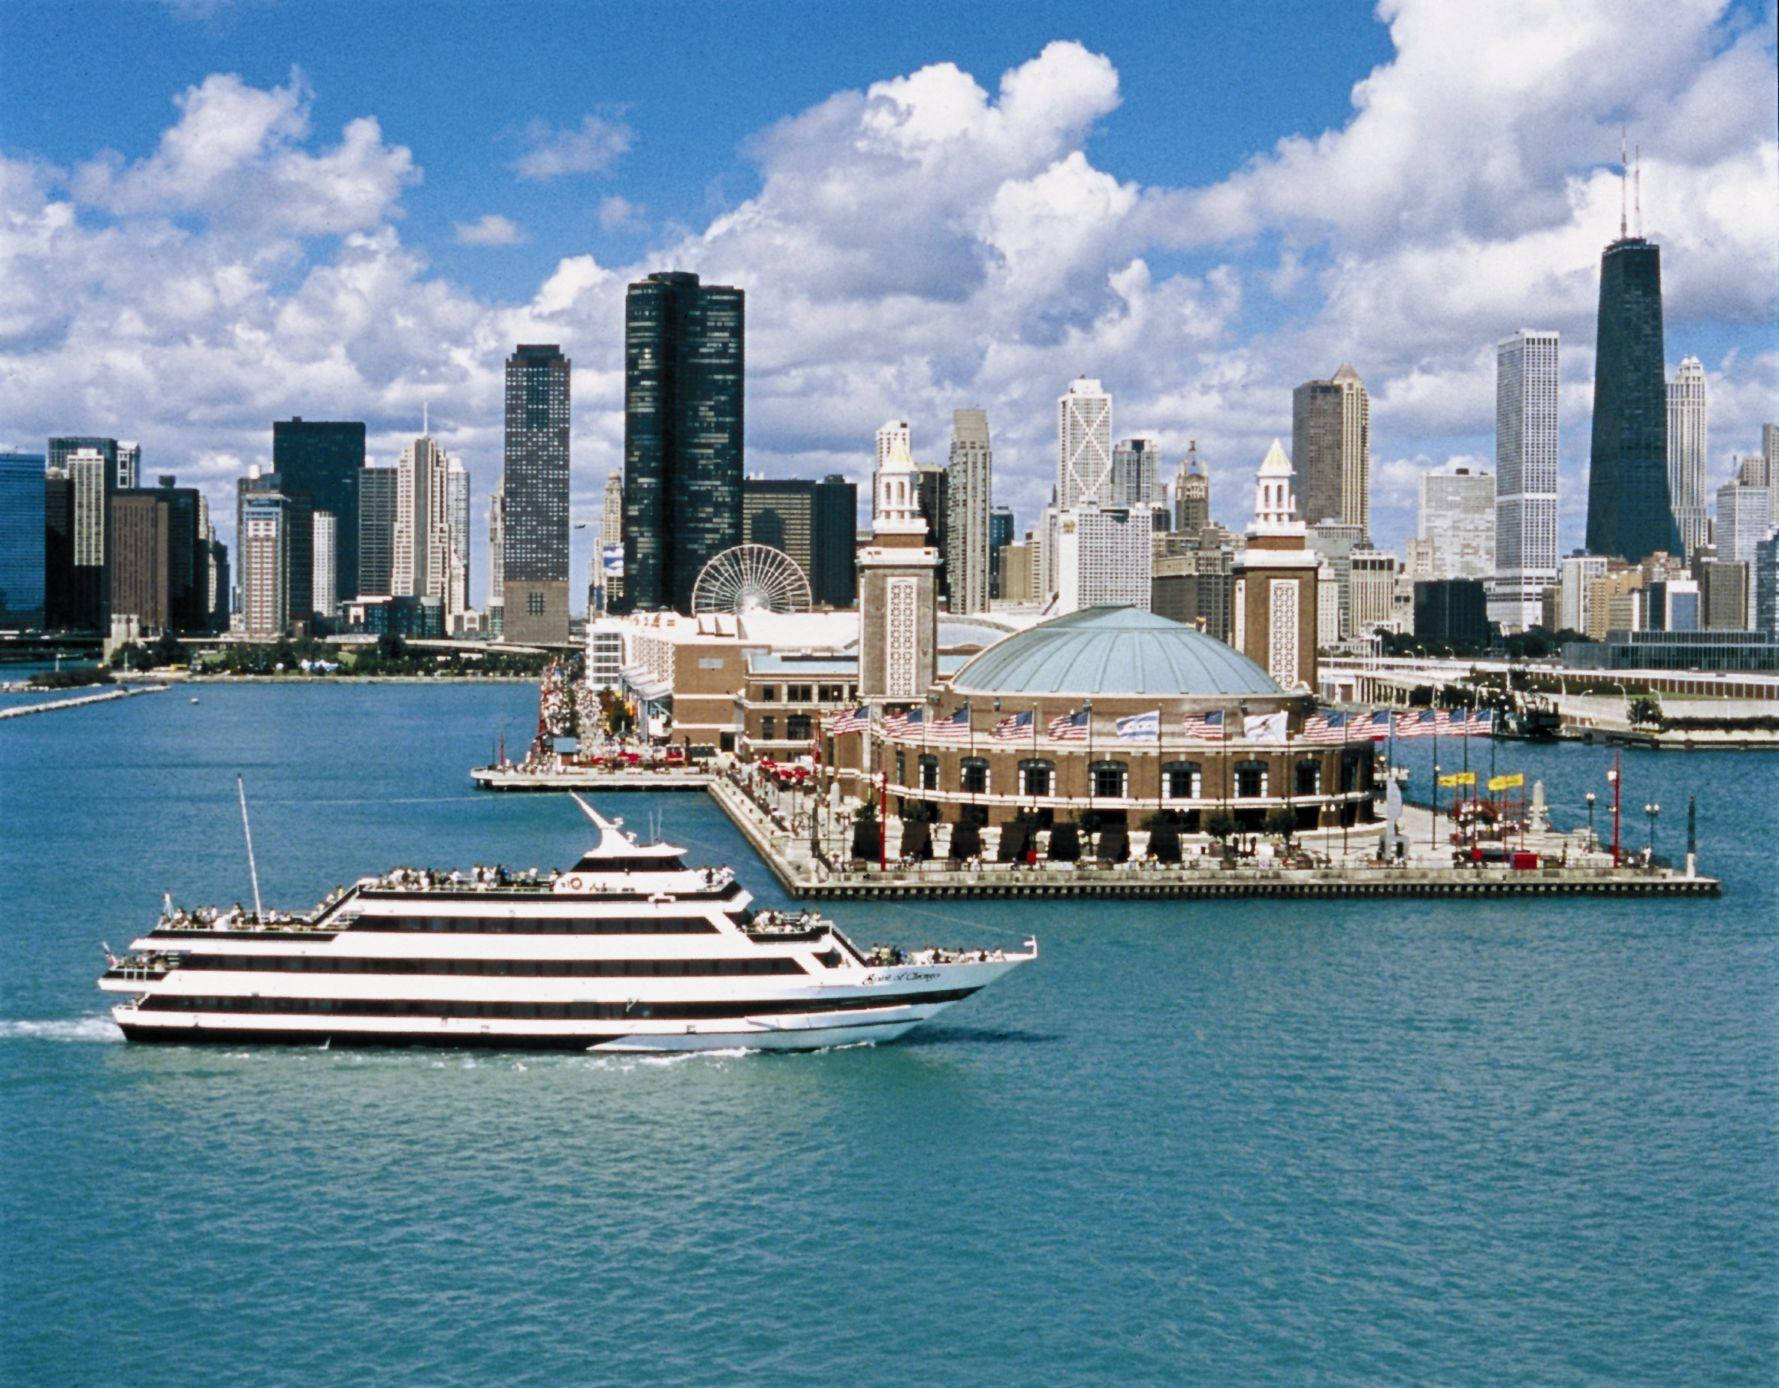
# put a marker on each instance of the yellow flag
(1507, 782)
(1459, 778)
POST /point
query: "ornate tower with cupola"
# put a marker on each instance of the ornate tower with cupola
(898, 596)
(1274, 603)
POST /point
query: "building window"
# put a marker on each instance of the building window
(534, 604)
(929, 773)
(768, 728)
(768, 693)
(975, 776)
(833, 693)
(1250, 780)
(1108, 779)
(901, 767)
(1182, 780)
(798, 693)
(1036, 777)
(797, 727)
(1309, 777)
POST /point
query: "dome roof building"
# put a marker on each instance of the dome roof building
(1116, 652)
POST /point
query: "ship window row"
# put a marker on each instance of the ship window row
(496, 968)
(539, 925)
(544, 1011)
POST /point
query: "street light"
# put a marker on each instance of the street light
(1652, 809)
(1593, 843)
(1333, 808)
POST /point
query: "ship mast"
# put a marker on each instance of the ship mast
(252, 866)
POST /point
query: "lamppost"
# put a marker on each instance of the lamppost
(1617, 787)
(1333, 808)
(1433, 824)
(1593, 843)
(1652, 809)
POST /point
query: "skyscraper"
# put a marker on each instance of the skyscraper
(683, 373)
(1630, 514)
(321, 460)
(326, 549)
(968, 484)
(1331, 447)
(376, 532)
(1688, 451)
(422, 550)
(834, 530)
(457, 545)
(1083, 444)
(536, 482)
(1192, 493)
(1000, 535)
(1457, 520)
(58, 549)
(23, 501)
(290, 593)
(264, 559)
(1135, 482)
(87, 469)
(608, 563)
(1526, 450)
(497, 559)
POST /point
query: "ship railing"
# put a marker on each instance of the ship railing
(892, 956)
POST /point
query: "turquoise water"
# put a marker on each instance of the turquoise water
(1232, 1142)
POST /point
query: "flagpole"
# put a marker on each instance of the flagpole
(1433, 829)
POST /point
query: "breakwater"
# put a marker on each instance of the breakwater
(80, 700)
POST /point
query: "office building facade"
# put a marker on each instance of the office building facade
(1331, 449)
(322, 460)
(535, 607)
(24, 526)
(1630, 512)
(1083, 444)
(376, 532)
(969, 501)
(1192, 492)
(1456, 519)
(1526, 457)
(684, 363)
(1689, 451)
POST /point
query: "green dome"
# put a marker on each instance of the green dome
(1114, 651)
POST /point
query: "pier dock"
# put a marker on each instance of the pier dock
(514, 778)
(52, 705)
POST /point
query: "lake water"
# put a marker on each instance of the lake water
(1245, 1141)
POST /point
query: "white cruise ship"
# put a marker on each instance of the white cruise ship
(629, 950)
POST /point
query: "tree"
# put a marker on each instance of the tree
(1644, 712)
(1164, 837)
(966, 842)
(1220, 824)
(1065, 843)
(867, 835)
(1282, 821)
(167, 649)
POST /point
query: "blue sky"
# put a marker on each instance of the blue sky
(220, 213)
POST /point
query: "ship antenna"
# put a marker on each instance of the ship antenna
(247, 829)
(1623, 178)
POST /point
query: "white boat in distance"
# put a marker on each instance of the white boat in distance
(629, 950)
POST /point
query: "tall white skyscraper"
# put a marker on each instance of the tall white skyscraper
(1688, 451)
(1526, 451)
(1135, 481)
(421, 566)
(968, 498)
(608, 564)
(457, 539)
(1083, 444)
(1457, 520)
(497, 557)
(324, 530)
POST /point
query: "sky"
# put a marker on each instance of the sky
(216, 213)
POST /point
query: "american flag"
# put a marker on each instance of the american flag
(1018, 725)
(1324, 727)
(1479, 723)
(850, 720)
(1376, 726)
(903, 724)
(953, 729)
(1422, 724)
(1204, 727)
(1070, 727)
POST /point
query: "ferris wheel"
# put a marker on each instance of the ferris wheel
(751, 578)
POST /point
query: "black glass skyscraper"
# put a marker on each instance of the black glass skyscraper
(1629, 514)
(536, 481)
(322, 459)
(683, 364)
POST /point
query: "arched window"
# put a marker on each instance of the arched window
(973, 777)
(1109, 779)
(1182, 780)
(1036, 777)
(1309, 777)
(1250, 780)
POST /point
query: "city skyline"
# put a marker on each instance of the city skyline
(1198, 334)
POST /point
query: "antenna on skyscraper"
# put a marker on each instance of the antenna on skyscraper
(1623, 178)
(1637, 189)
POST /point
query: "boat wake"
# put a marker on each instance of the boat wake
(63, 1029)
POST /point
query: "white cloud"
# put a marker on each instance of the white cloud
(617, 213)
(490, 229)
(590, 148)
(933, 242)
